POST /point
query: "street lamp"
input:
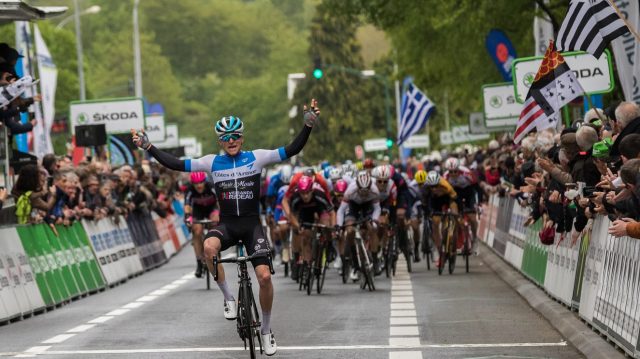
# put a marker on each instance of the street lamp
(137, 61)
(76, 16)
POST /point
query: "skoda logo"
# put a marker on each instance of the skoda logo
(83, 118)
(528, 79)
(495, 101)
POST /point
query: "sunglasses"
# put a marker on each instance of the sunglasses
(230, 136)
(382, 182)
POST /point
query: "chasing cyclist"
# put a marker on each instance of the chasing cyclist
(437, 197)
(465, 184)
(236, 177)
(200, 204)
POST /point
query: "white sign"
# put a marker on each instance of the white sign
(198, 149)
(626, 51)
(118, 115)
(375, 144)
(417, 141)
(461, 135)
(446, 138)
(155, 128)
(171, 137)
(190, 146)
(593, 74)
(500, 106)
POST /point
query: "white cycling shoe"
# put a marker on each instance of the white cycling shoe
(269, 344)
(354, 275)
(230, 309)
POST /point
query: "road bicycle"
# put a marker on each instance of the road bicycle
(427, 248)
(247, 318)
(317, 269)
(390, 251)
(362, 256)
(448, 252)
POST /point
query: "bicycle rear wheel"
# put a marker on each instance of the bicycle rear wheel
(453, 250)
(466, 250)
(310, 276)
(323, 271)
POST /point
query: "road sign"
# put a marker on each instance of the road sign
(500, 106)
(155, 128)
(417, 141)
(446, 138)
(171, 137)
(119, 115)
(190, 146)
(595, 75)
(359, 152)
(461, 135)
(476, 123)
(375, 144)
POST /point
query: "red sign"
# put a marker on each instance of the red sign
(359, 152)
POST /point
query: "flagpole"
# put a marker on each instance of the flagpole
(594, 108)
(631, 28)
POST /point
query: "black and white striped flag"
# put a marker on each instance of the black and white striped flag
(590, 25)
(416, 110)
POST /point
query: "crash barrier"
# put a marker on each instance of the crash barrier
(43, 266)
(598, 275)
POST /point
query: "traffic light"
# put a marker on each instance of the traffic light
(389, 143)
(317, 68)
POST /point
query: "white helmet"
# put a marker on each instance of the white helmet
(285, 174)
(452, 164)
(433, 178)
(335, 173)
(381, 172)
(349, 169)
(363, 179)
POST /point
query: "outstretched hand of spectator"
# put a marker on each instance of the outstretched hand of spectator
(3, 194)
(619, 227)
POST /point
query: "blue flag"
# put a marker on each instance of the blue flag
(416, 110)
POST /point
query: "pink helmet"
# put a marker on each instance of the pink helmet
(341, 186)
(198, 177)
(305, 184)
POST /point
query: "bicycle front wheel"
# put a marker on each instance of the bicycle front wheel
(248, 320)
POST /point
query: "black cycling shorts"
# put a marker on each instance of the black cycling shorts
(466, 198)
(231, 230)
(356, 212)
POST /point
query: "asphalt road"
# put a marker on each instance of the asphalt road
(167, 313)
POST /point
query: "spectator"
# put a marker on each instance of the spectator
(3, 196)
(30, 193)
(628, 120)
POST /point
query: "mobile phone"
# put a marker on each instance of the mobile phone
(49, 181)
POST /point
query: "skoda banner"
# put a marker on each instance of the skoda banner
(155, 128)
(119, 115)
(501, 110)
(501, 51)
(595, 75)
(190, 145)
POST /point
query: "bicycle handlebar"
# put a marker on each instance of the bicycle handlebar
(263, 253)
(203, 221)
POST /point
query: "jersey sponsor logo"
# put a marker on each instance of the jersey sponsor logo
(238, 195)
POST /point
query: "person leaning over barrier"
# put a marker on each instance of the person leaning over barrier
(237, 177)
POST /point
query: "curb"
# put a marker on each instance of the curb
(585, 340)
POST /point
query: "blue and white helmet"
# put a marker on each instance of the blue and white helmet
(229, 124)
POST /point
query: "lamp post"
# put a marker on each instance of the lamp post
(137, 61)
(76, 16)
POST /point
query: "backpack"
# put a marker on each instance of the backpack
(23, 207)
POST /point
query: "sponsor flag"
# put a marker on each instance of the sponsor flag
(626, 51)
(542, 31)
(589, 26)
(48, 82)
(416, 110)
(554, 86)
(501, 51)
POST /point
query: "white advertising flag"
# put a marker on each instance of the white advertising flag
(626, 51)
(48, 82)
(542, 31)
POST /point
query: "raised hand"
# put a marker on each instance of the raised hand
(311, 113)
(140, 139)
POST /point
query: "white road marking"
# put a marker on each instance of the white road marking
(179, 281)
(169, 287)
(401, 287)
(403, 313)
(117, 312)
(146, 298)
(58, 338)
(29, 353)
(398, 331)
(159, 292)
(99, 320)
(81, 328)
(399, 343)
(401, 292)
(402, 282)
(405, 299)
(405, 355)
(133, 305)
(403, 321)
(402, 306)
(404, 342)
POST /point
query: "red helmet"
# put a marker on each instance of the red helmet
(368, 164)
(341, 186)
(305, 184)
(198, 177)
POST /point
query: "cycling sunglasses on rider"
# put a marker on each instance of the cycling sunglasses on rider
(382, 182)
(230, 136)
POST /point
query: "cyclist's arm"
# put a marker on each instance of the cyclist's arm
(376, 211)
(341, 211)
(285, 207)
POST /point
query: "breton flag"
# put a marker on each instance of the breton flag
(590, 25)
(416, 109)
(554, 86)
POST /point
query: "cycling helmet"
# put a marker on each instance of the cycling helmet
(451, 164)
(381, 172)
(363, 180)
(392, 171)
(341, 186)
(368, 164)
(286, 173)
(349, 169)
(335, 174)
(197, 177)
(420, 177)
(309, 171)
(229, 124)
(305, 184)
(433, 178)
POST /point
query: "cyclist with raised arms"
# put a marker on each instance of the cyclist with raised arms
(464, 182)
(360, 201)
(200, 203)
(437, 197)
(236, 177)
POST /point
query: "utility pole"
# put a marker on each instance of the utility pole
(137, 61)
(76, 16)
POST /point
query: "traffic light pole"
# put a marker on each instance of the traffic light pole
(387, 97)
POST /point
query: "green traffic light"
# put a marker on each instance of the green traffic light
(317, 73)
(389, 143)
